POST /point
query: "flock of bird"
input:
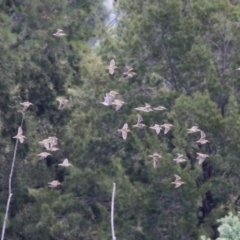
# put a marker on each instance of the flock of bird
(49, 143)
(109, 100)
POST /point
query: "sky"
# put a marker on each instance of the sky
(110, 7)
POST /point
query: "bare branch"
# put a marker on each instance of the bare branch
(10, 187)
(112, 212)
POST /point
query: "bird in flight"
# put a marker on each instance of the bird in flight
(157, 128)
(159, 108)
(201, 157)
(139, 124)
(65, 163)
(43, 155)
(180, 158)
(202, 139)
(155, 158)
(50, 143)
(147, 108)
(178, 181)
(26, 105)
(167, 127)
(117, 104)
(59, 33)
(109, 98)
(129, 73)
(124, 131)
(19, 135)
(112, 66)
(193, 129)
(62, 102)
(54, 183)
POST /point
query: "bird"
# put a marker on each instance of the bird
(46, 144)
(124, 131)
(108, 99)
(157, 128)
(54, 183)
(43, 155)
(139, 124)
(202, 139)
(129, 73)
(117, 104)
(147, 108)
(167, 127)
(155, 158)
(62, 102)
(19, 135)
(112, 67)
(238, 69)
(59, 33)
(159, 108)
(49, 143)
(53, 141)
(26, 105)
(180, 158)
(193, 129)
(177, 181)
(65, 163)
(201, 157)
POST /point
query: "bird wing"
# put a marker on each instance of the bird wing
(60, 106)
(65, 161)
(177, 185)
(154, 163)
(54, 141)
(46, 145)
(124, 135)
(117, 107)
(113, 93)
(20, 131)
(111, 70)
(177, 177)
(112, 63)
(203, 135)
(140, 119)
(147, 105)
(109, 98)
(140, 108)
(166, 130)
(129, 68)
(158, 130)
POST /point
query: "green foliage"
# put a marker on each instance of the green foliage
(229, 228)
